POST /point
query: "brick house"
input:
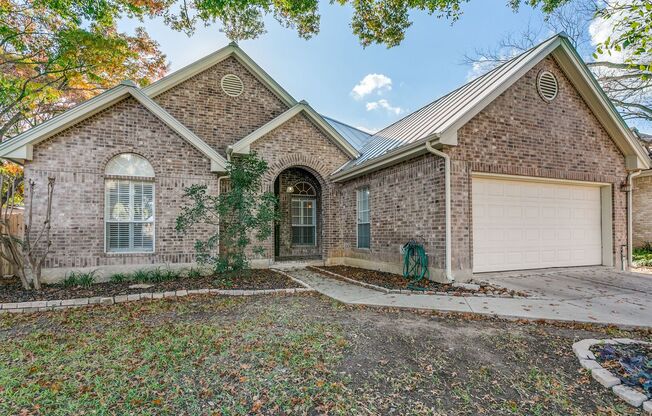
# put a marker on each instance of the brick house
(642, 199)
(525, 167)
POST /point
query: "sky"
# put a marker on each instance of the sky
(371, 87)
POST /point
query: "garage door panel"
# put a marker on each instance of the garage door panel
(520, 225)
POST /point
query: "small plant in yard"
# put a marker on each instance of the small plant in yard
(155, 275)
(236, 216)
(79, 279)
(194, 273)
(224, 280)
(163, 275)
(119, 278)
(642, 256)
(142, 276)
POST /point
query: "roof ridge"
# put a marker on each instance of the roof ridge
(347, 125)
(492, 70)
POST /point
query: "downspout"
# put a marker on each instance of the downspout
(447, 187)
(630, 228)
(219, 192)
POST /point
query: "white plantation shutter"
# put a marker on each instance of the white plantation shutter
(129, 206)
(130, 216)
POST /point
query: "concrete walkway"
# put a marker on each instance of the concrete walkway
(629, 312)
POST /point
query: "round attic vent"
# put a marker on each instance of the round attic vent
(547, 86)
(232, 85)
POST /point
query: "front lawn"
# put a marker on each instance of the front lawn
(298, 354)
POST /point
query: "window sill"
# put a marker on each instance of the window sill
(128, 253)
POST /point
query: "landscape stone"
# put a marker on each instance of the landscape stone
(605, 377)
(630, 395)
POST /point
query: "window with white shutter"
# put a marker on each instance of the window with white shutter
(129, 204)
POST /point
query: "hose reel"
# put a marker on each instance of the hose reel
(415, 264)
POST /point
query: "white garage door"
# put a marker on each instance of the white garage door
(529, 225)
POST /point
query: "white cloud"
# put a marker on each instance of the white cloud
(371, 83)
(369, 130)
(384, 104)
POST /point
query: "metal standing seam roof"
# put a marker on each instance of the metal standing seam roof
(356, 137)
(435, 117)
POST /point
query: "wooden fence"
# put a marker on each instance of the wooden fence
(15, 228)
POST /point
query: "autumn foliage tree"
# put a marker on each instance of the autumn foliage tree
(56, 54)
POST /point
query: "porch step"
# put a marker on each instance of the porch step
(295, 264)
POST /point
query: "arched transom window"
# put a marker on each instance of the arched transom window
(304, 188)
(129, 204)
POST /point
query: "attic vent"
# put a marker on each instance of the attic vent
(232, 85)
(547, 86)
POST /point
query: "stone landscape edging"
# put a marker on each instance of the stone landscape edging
(410, 291)
(49, 305)
(607, 378)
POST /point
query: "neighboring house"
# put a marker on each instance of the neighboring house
(521, 168)
(642, 199)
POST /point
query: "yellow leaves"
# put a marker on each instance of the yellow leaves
(255, 408)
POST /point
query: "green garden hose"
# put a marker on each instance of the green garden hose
(415, 264)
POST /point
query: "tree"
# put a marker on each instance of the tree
(55, 54)
(27, 252)
(232, 217)
(628, 86)
(630, 25)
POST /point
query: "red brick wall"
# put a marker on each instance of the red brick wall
(406, 202)
(77, 157)
(200, 104)
(520, 134)
(642, 211)
(299, 143)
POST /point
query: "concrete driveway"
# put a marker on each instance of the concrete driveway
(604, 293)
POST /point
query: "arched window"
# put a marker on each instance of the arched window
(129, 204)
(303, 188)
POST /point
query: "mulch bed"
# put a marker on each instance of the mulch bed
(395, 281)
(12, 291)
(632, 363)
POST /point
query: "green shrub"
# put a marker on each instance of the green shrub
(642, 256)
(163, 275)
(119, 278)
(156, 275)
(142, 276)
(194, 273)
(247, 214)
(81, 279)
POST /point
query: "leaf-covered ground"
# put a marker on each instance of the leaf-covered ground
(297, 354)
(11, 289)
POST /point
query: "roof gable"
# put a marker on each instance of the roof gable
(183, 74)
(442, 118)
(21, 147)
(243, 145)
